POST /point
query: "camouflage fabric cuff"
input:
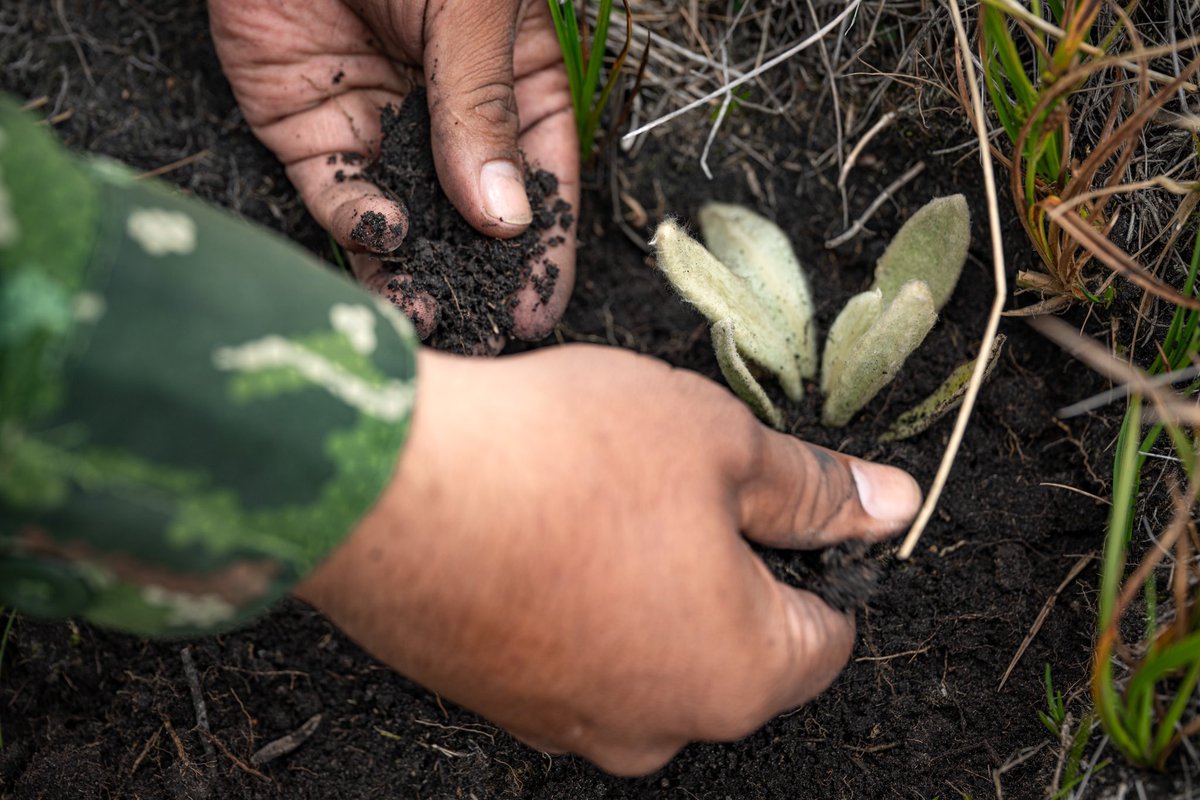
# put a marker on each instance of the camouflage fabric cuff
(193, 411)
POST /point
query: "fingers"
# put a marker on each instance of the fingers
(421, 309)
(324, 148)
(310, 85)
(821, 641)
(473, 113)
(361, 218)
(550, 142)
(795, 494)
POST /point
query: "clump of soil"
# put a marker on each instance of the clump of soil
(472, 277)
(845, 575)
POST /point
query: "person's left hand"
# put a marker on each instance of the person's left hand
(312, 77)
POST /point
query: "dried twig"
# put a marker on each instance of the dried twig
(883, 197)
(174, 165)
(1168, 404)
(286, 744)
(242, 765)
(193, 679)
(852, 159)
(1121, 391)
(751, 75)
(74, 39)
(150, 743)
(1047, 607)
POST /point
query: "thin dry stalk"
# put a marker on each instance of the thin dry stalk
(1047, 607)
(1168, 404)
(999, 271)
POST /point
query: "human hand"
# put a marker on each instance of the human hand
(496, 89)
(559, 550)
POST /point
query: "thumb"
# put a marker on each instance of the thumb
(473, 113)
(799, 495)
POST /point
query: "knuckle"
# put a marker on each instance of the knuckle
(494, 103)
(632, 762)
(487, 105)
(739, 437)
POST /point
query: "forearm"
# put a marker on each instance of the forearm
(192, 411)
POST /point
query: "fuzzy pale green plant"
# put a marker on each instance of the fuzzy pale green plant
(749, 284)
(879, 329)
(759, 291)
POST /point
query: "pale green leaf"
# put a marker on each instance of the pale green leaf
(930, 247)
(720, 294)
(758, 251)
(854, 321)
(878, 354)
(738, 376)
(944, 399)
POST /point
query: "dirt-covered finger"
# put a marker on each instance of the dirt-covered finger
(550, 143)
(795, 494)
(419, 307)
(358, 214)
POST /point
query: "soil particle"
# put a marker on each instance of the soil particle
(845, 576)
(1012, 567)
(473, 278)
(72, 773)
(372, 230)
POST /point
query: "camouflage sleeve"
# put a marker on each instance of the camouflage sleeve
(192, 410)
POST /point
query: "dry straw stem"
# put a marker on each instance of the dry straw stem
(856, 151)
(993, 323)
(1170, 405)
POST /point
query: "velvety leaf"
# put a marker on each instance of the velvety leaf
(930, 247)
(877, 356)
(758, 251)
(855, 320)
(738, 376)
(720, 294)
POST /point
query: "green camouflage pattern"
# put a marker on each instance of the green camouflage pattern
(193, 411)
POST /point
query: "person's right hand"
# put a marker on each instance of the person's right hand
(561, 549)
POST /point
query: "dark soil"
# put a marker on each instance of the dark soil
(472, 278)
(91, 714)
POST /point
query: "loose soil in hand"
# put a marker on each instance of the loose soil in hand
(473, 278)
(87, 713)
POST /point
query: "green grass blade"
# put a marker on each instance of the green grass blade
(1107, 704)
(1183, 697)
(569, 47)
(999, 34)
(591, 76)
(1003, 105)
(1125, 483)
(1183, 653)
(613, 74)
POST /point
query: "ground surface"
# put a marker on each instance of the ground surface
(91, 714)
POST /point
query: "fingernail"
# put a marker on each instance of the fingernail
(888, 494)
(504, 195)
